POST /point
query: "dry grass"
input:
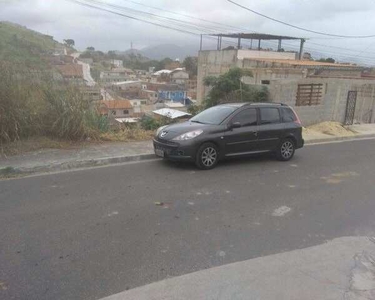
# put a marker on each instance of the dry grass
(127, 135)
(33, 144)
(329, 128)
(37, 143)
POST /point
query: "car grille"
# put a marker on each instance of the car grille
(166, 142)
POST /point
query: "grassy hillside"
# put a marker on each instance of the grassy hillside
(21, 45)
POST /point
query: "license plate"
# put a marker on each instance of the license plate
(159, 152)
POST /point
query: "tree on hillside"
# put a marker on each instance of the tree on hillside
(91, 48)
(162, 63)
(328, 60)
(229, 88)
(69, 42)
(191, 65)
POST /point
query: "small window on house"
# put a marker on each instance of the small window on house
(143, 102)
(309, 94)
(113, 112)
(125, 112)
(265, 82)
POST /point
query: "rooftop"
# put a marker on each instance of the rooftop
(117, 104)
(256, 36)
(126, 82)
(304, 63)
(171, 113)
(71, 70)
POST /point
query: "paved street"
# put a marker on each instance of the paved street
(92, 233)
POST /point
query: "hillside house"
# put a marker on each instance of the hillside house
(179, 76)
(318, 91)
(127, 89)
(117, 75)
(116, 108)
(116, 63)
(150, 95)
(167, 92)
(72, 73)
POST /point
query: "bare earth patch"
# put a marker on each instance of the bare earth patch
(38, 143)
(329, 128)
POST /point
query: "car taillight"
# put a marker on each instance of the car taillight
(297, 121)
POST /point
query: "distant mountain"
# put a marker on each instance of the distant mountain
(129, 52)
(172, 51)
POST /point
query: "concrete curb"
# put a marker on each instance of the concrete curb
(339, 138)
(71, 165)
(10, 171)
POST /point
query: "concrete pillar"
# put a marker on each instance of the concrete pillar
(201, 44)
(258, 44)
(239, 43)
(301, 48)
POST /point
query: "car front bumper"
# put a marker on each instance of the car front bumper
(184, 151)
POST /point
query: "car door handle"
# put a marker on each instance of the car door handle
(254, 132)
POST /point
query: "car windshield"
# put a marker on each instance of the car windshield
(214, 115)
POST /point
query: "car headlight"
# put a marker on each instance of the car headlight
(189, 135)
(160, 129)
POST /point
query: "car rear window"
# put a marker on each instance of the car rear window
(288, 115)
(269, 115)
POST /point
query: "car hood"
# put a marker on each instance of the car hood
(171, 131)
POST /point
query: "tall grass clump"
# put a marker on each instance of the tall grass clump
(17, 116)
(33, 104)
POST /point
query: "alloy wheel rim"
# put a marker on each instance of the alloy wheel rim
(287, 149)
(209, 156)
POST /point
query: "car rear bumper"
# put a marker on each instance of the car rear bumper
(174, 151)
(300, 143)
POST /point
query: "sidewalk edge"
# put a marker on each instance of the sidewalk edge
(10, 171)
(71, 165)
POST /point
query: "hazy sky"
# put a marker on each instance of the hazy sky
(88, 27)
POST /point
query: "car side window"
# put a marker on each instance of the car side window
(247, 117)
(269, 115)
(288, 115)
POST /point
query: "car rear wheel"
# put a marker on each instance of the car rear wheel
(286, 150)
(207, 156)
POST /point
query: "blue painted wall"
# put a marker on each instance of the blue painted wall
(175, 96)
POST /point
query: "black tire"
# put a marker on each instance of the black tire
(207, 156)
(286, 150)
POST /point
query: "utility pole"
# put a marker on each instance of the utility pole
(241, 89)
(301, 48)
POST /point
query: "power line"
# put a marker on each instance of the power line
(183, 30)
(152, 15)
(133, 18)
(301, 28)
(184, 15)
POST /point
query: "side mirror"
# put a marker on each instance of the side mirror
(235, 125)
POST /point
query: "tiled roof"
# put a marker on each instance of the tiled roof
(71, 70)
(117, 104)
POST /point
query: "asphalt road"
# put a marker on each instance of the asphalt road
(92, 233)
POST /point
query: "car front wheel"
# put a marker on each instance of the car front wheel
(207, 156)
(286, 150)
